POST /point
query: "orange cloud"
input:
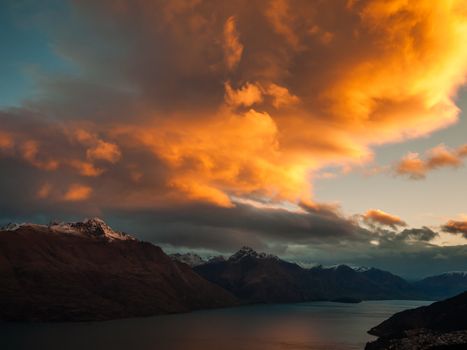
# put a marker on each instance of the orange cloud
(283, 22)
(210, 161)
(83, 136)
(281, 96)
(30, 151)
(246, 96)
(6, 142)
(453, 226)
(213, 101)
(376, 216)
(86, 168)
(77, 192)
(44, 191)
(462, 151)
(233, 48)
(107, 151)
(412, 166)
(440, 156)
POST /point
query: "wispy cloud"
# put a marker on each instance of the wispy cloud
(376, 216)
(415, 167)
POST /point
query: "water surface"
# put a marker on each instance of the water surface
(311, 326)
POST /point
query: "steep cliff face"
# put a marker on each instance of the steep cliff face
(87, 271)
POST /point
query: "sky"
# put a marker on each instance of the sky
(324, 132)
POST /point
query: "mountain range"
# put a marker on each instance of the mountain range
(87, 271)
(260, 277)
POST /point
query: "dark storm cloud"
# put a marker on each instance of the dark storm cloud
(304, 237)
(265, 223)
(418, 234)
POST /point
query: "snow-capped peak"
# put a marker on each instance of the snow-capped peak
(215, 259)
(361, 268)
(346, 266)
(11, 226)
(249, 252)
(456, 273)
(93, 227)
(190, 259)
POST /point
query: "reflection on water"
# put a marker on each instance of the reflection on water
(316, 326)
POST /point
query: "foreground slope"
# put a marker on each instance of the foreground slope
(441, 325)
(87, 271)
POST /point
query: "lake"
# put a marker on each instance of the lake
(311, 326)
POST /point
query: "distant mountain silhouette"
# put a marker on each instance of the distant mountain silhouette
(87, 271)
(444, 285)
(259, 277)
(441, 325)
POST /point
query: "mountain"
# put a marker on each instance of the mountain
(190, 259)
(260, 277)
(364, 283)
(256, 277)
(87, 271)
(443, 286)
(193, 260)
(441, 325)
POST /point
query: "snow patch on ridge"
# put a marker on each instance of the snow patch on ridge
(245, 252)
(93, 227)
(190, 259)
(456, 273)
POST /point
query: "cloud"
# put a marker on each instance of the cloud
(30, 152)
(233, 48)
(77, 192)
(281, 96)
(462, 151)
(438, 157)
(200, 102)
(418, 234)
(109, 152)
(246, 96)
(282, 20)
(6, 142)
(231, 227)
(44, 191)
(86, 168)
(453, 226)
(376, 216)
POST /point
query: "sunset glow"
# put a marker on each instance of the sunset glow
(248, 108)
